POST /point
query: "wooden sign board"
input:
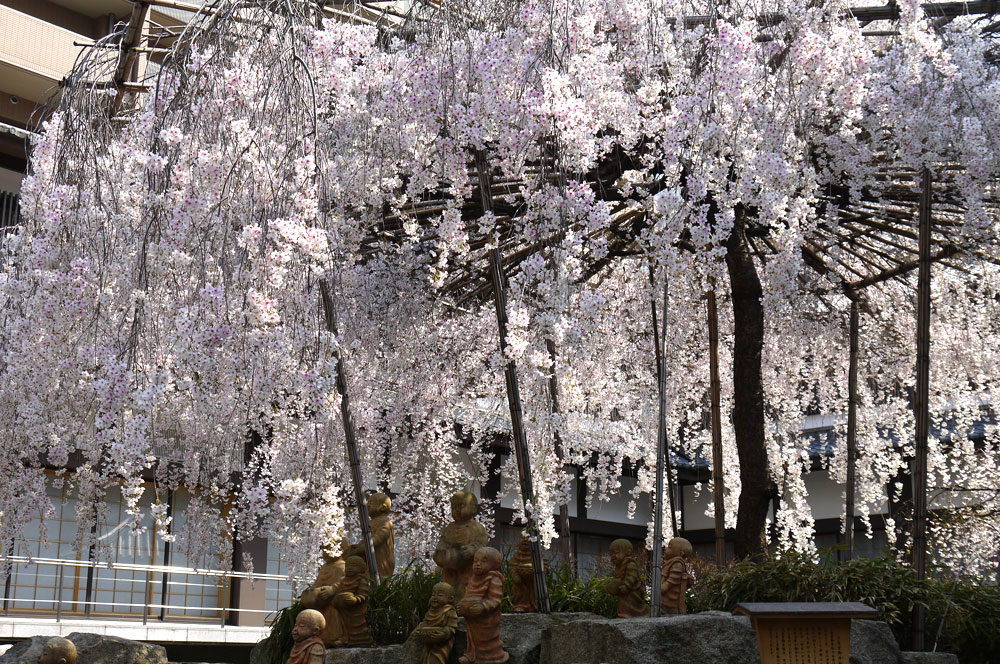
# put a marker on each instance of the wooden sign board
(804, 632)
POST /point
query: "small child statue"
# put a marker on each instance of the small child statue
(58, 650)
(627, 585)
(459, 542)
(383, 535)
(675, 579)
(523, 578)
(308, 648)
(481, 608)
(437, 631)
(351, 601)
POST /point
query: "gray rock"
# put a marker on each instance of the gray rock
(872, 642)
(257, 652)
(523, 636)
(101, 649)
(91, 649)
(712, 637)
(27, 651)
(929, 658)
(382, 655)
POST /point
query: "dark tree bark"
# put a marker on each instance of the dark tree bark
(748, 395)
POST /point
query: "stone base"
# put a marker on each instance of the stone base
(712, 637)
(929, 658)
(91, 649)
(383, 655)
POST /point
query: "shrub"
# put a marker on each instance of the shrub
(971, 628)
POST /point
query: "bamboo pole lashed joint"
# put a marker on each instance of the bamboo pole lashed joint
(921, 403)
(715, 389)
(518, 435)
(350, 435)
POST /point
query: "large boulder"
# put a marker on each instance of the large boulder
(872, 642)
(27, 651)
(929, 658)
(712, 637)
(383, 655)
(91, 649)
(522, 634)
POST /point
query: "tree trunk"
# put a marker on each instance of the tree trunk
(748, 396)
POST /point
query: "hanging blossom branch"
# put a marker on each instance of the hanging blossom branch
(161, 308)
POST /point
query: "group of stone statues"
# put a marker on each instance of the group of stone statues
(340, 593)
(471, 587)
(628, 586)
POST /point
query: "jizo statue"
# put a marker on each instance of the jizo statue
(58, 650)
(320, 597)
(674, 580)
(437, 631)
(459, 542)
(383, 536)
(481, 609)
(523, 577)
(627, 584)
(308, 646)
(351, 601)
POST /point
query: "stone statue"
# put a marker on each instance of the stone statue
(459, 542)
(320, 597)
(383, 536)
(523, 578)
(481, 608)
(351, 601)
(675, 579)
(627, 584)
(309, 647)
(437, 631)
(58, 650)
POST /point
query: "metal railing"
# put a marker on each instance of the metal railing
(157, 610)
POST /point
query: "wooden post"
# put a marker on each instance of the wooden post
(661, 458)
(350, 436)
(715, 389)
(921, 404)
(514, 399)
(852, 430)
(564, 531)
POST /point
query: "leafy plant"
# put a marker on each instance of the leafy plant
(970, 628)
(278, 644)
(398, 604)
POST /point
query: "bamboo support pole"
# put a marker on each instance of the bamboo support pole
(852, 430)
(564, 531)
(350, 435)
(715, 390)
(661, 458)
(922, 410)
(514, 401)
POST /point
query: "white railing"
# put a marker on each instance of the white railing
(222, 580)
